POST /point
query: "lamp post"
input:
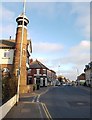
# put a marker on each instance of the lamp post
(77, 75)
(58, 70)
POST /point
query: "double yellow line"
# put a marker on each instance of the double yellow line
(46, 111)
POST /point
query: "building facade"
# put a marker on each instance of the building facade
(51, 75)
(81, 79)
(39, 74)
(15, 54)
(88, 74)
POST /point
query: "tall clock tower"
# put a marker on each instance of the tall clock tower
(20, 56)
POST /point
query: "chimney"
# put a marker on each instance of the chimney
(10, 38)
(31, 60)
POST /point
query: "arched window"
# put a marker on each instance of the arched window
(5, 70)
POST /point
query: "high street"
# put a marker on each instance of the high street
(54, 102)
(67, 102)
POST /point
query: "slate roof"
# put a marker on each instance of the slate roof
(11, 44)
(7, 43)
(37, 64)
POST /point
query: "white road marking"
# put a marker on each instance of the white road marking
(34, 99)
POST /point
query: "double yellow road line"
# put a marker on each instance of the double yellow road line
(46, 111)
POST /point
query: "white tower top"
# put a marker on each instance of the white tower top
(22, 18)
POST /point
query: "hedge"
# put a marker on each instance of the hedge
(9, 88)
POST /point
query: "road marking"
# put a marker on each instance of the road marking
(44, 92)
(38, 98)
(34, 99)
(46, 111)
(40, 110)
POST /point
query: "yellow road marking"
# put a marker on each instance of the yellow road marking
(46, 111)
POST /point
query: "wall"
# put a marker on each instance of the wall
(9, 58)
(5, 108)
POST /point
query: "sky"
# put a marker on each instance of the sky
(59, 31)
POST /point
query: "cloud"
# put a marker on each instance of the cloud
(83, 17)
(7, 31)
(77, 57)
(48, 0)
(6, 15)
(7, 26)
(46, 47)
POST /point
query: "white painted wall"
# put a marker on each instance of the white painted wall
(6, 60)
(45, 81)
(87, 74)
(41, 82)
(34, 80)
(4, 109)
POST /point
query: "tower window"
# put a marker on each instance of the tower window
(20, 23)
(25, 24)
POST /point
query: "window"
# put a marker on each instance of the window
(44, 71)
(5, 70)
(20, 23)
(38, 71)
(29, 71)
(6, 54)
(17, 72)
(25, 24)
(30, 80)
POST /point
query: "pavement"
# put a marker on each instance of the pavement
(29, 106)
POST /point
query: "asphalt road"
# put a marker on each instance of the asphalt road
(67, 102)
(53, 102)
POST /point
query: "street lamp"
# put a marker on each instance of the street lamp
(58, 70)
(77, 75)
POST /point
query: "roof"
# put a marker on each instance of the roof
(11, 44)
(53, 71)
(7, 43)
(21, 17)
(37, 64)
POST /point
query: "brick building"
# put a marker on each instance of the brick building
(15, 54)
(40, 74)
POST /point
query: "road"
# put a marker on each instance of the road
(54, 102)
(67, 102)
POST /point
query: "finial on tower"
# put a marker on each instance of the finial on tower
(22, 17)
(24, 6)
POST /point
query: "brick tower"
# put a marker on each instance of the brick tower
(20, 56)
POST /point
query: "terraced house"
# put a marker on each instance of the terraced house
(88, 74)
(40, 75)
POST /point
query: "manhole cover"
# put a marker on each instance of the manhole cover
(78, 103)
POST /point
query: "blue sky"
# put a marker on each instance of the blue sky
(60, 33)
